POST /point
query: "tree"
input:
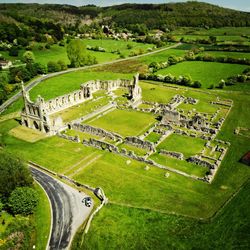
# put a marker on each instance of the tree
(13, 173)
(62, 64)
(53, 66)
(196, 84)
(23, 200)
(28, 57)
(13, 51)
(76, 52)
(1, 206)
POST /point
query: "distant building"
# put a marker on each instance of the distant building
(4, 64)
(246, 158)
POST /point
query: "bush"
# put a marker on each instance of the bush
(23, 200)
(196, 84)
(53, 66)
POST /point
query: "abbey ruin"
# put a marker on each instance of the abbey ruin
(169, 119)
(36, 115)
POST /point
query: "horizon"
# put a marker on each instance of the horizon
(241, 5)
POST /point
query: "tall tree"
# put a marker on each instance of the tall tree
(13, 173)
(76, 52)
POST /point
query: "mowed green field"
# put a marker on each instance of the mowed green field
(121, 227)
(69, 82)
(124, 122)
(189, 146)
(162, 56)
(207, 72)
(158, 93)
(77, 111)
(57, 52)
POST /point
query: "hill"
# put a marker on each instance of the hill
(29, 20)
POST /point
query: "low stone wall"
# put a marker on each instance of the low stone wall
(172, 154)
(137, 142)
(96, 131)
(69, 137)
(198, 161)
(101, 145)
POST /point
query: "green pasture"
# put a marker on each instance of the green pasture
(162, 56)
(147, 228)
(228, 54)
(124, 122)
(207, 73)
(189, 146)
(69, 82)
(114, 46)
(46, 152)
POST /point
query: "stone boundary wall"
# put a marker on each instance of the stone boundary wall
(172, 154)
(96, 131)
(137, 142)
(101, 145)
(196, 160)
(69, 137)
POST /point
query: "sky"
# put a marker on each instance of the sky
(233, 4)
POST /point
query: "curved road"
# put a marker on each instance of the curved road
(44, 77)
(68, 211)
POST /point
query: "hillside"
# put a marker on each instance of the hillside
(26, 20)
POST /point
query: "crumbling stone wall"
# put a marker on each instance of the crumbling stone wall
(101, 145)
(137, 142)
(172, 154)
(96, 131)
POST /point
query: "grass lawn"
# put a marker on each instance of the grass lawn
(26, 134)
(137, 150)
(80, 110)
(118, 45)
(53, 152)
(228, 54)
(42, 219)
(201, 71)
(153, 137)
(158, 93)
(124, 122)
(189, 146)
(184, 166)
(121, 227)
(133, 185)
(69, 82)
(162, 56)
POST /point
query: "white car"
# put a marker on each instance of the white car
(87, 201)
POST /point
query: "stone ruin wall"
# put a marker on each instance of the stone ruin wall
(137, 142)
(96, 131)
(35, 115)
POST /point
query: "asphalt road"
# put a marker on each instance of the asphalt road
(68, 211)
(44, 77)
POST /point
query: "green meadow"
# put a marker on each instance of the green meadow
(207, 73)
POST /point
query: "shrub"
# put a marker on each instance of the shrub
(23, 200)
(196, 84)
(53, 66)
